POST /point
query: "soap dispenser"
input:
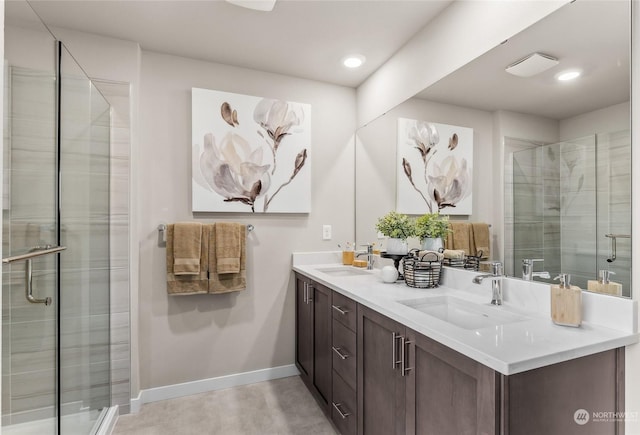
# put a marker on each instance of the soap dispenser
(604, 285)
(566, 302)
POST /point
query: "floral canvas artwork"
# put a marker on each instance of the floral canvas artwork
(434, 168)
(249, 154)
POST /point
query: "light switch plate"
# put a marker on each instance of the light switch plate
(326, 232)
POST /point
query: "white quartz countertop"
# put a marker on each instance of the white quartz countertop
(530, 343)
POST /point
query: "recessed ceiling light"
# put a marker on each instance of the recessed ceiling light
(353, 60)
(568, 75)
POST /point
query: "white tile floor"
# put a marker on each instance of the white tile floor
(282, 406)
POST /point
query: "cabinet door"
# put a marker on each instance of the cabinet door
(304, 329)
(322, 353)
(447, 393)
(380, 384)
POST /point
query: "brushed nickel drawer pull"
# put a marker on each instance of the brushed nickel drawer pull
(337, 407)
(394, 349)
(340, 354)
(340, 310)
(403, 356)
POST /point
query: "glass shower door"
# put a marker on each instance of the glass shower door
(56, 149)
(84, 382)
(29, 340)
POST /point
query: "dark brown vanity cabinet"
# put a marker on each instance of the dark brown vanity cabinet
(384, 378)
(344, 348)
(313, 338)
(447, 393)
(409, 384)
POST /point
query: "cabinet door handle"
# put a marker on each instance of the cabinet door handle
(340, 354)
(340, 310)
(305, 289)
(394, 349)
(309, 293)
(342, 413)
(403, 356)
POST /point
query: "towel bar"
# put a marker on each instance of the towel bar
(162, 229)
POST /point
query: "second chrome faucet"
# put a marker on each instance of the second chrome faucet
(527, 269)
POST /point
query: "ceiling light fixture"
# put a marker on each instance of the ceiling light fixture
(532, 65)
(353, 60)
(568, 75)
(256, 5)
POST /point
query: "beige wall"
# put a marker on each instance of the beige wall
(197, 337)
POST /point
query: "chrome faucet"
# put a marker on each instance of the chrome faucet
(496, 282)
(369, 254)
(527, 269)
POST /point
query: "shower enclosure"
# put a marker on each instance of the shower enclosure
(569, 203)
(56, 162)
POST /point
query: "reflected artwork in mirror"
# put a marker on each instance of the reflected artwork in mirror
(551, 159)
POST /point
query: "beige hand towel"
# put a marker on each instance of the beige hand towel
(187, 284)
(228, 236)
(226, 282)
(448, 242)
(453, 254)
(481, 238)
(461, 237)
(187, 241)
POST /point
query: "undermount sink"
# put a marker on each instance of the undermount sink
(343, 271)
(463, 314)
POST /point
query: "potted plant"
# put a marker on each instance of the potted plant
(431, 229)
(398, 227)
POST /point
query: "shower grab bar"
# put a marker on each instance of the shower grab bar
(35, 252)
(613, 238)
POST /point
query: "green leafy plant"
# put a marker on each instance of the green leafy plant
(396, 225)
(432, 225)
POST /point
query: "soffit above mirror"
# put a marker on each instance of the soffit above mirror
(580, 35)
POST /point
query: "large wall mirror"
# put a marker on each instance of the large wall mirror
(551, 159)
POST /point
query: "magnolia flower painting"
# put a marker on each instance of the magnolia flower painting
(434, 168)
(249, 154)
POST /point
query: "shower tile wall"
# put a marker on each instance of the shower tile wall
(578, 209)
(614, 204)
(534, 226)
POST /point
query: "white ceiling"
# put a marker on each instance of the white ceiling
(592, 35)
(301, 38)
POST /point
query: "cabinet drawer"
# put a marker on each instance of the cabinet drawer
(344, 310)
(343, 406)
(344, 353)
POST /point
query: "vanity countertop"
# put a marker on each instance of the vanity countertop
(532, 342)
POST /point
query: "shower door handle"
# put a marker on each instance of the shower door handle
(28, 257)
(28, 286)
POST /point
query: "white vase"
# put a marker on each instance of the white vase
(397, 246)
(432, 244)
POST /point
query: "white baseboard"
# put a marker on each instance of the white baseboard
(211, 384)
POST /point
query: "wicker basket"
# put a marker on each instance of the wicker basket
(422, 272)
